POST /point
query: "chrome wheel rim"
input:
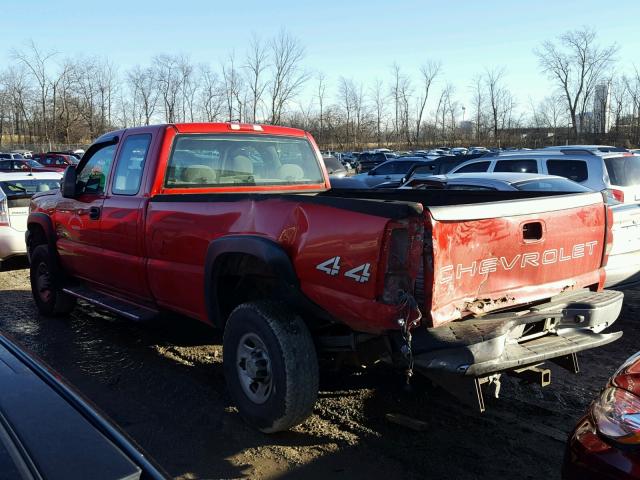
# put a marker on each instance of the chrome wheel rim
(254, 368)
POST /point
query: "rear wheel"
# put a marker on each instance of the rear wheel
(49, 299)
(270, 365)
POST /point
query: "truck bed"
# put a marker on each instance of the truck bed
(490, 251)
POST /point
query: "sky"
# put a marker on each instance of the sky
(354, 39)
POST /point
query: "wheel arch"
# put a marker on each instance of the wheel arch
(40, 231)
(260, 253)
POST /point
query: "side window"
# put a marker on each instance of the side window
(473, 168)
(385, 169)
(128, 175)
(575, 170)
(93, 176)
(519, 166)
(403, 167)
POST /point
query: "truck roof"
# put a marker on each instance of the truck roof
(226, 127)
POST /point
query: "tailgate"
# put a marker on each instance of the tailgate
(491, 256)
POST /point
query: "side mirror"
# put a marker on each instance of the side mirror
(69, 181)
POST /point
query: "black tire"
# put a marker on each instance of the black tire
(292, 365)
(45, 285)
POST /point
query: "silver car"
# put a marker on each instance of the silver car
(617, 173)
(16, 190)
(526, 182)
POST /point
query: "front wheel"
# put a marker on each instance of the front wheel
(49, 299)
(270, 365)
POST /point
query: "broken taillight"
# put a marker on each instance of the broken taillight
(616, 194)
(402, 254)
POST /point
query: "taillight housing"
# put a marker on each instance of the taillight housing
(616, 194)
(4, 210)
(402, 254)
(617, 415)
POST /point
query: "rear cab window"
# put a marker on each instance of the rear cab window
(228, 160)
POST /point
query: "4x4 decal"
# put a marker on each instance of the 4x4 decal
(332, 267)
(359, 274)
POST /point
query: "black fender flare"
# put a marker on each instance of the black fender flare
(262, 248)
(44, 222)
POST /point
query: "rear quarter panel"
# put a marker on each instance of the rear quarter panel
(178, 235)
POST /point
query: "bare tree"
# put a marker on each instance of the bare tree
(576, 63)
(288, 76)
(496, 94)
(212, 94)
(478, 93)
(144, 90)
(233, 89)
(37, 63)
(256, 65)
(168, 79)
(428, 72)
(321, 93)
(378, 99)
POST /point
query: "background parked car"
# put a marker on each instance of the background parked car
(22, 165)
(368, 160)
(16, 189)
(618, 173)
(392, 170)
(595, 149)
(526, 182)
(58, 161)
(11, 156)
(604, 444)
(24, 153)
(335, 168)
(49, 431)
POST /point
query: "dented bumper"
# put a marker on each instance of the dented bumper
(495, 343)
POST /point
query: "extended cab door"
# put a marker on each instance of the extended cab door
(78, 219)
(123, 215)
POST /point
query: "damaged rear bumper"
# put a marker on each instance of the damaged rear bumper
(568, 324)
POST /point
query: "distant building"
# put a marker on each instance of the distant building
(585, 122)
(601, 103)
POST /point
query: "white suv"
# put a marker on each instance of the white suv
(618, 173)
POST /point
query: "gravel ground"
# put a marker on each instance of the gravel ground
(163, 384)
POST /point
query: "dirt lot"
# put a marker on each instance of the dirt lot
(163, 384)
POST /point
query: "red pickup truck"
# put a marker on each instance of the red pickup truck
(236, 225)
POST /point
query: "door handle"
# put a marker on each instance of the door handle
(94, 213)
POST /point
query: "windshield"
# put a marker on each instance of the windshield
(550, 185)
(623, 171)
(241, 160)
(20, 188)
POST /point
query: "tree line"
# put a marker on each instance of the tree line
(47, 100)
